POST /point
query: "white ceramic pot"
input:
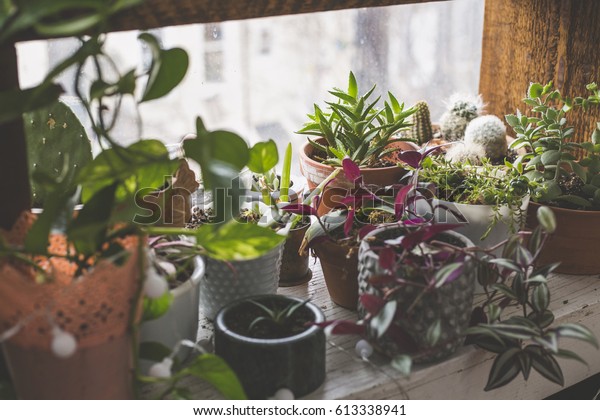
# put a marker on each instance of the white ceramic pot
(228, 281)
(479, 217)
(181, 320)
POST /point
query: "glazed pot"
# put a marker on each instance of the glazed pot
(575, 242)
(340, 270)
(294, 267)
(316, 172)
(181, 319)
(451, 304)
(265, 365)
(226, 281)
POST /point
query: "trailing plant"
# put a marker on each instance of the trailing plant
(515, 321)
(551, 157)
(353, 127)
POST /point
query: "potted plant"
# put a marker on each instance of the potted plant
(271, 342)
(568, 184)
(408, 308)
(334, 239)
(353, 128)
(489, 201)
(71, 283)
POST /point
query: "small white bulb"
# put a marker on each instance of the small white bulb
(155, 285)
(283, 394)
(63, 343)
(161, 369)
(363, 349)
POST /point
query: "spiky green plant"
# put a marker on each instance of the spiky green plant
(57, 145)
(461, 110)
(353, 127)
(421, 129)
(489, 132)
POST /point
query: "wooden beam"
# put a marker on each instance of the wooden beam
(14, 178)
(540, 41)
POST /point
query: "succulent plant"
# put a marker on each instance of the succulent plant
(489, 132)
(460, 152)
(462, 109)
(57, 144)
(421, 119)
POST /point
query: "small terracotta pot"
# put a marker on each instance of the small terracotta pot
(294, 267)
(340, 269)
(316, 172)
(575, 242)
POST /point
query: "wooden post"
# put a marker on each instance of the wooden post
(540, 40)
(14, 177)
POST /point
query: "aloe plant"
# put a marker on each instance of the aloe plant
(353, 127)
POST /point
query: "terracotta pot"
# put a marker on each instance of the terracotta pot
(340, 270)
(294, 267)
(575, 242)
(316, 172)
(265, 365)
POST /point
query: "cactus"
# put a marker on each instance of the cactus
(461, 110)
(421, 129)
(459, 152)
(489, 132)
(53, 134)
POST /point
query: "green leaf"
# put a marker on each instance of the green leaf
(234, 241)
(578, 332)
(518, 332)
(434, 332)
(381, 322)
(155, 308)
(14, 103)
(153, 351)
(549, 190)
(448, 272)
(535, 90)
(513, 121)
(167, 70)
(550, 157)
(575, 199)
(352, 86)
(263, 157)
(505, 368)
(506, 263)
(540, 297)
(216, 372)
(403, 364)
(567, 354)
(578, 169)
(546, 219)
(285, 174)
(548, 341)
(545, 364)
(88, 230)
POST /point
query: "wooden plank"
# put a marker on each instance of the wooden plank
(540, 40)
(463, 376)
(14, 178)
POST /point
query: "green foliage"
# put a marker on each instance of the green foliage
(285, 174)
(277, 318)
(527, 339)
(57, 145)
(421, 129)
(551, 157)
(353, 127)
(462, 183)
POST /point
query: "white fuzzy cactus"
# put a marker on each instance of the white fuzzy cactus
(459, 152)
(461, 110)
(488, 132)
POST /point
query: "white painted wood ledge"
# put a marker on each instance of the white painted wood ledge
(463, 376)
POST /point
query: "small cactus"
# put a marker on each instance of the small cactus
(421, 129)
(459, 152)
(461, 110)
(53, 134)
(489, 132)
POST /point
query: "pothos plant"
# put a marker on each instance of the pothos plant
(514, 322)
(551, 156)
(112, 184)
(354, 128)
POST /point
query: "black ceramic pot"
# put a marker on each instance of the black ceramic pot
(265, 365)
